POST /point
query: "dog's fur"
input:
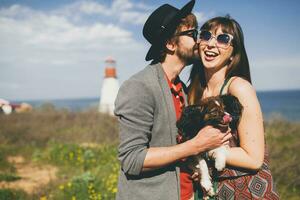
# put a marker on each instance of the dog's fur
(221, 112)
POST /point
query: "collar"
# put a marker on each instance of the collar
(176, 86)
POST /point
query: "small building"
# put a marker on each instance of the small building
(110, 87)
(7, 108)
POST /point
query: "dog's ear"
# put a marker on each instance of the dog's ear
(234, 108)
(190, 121)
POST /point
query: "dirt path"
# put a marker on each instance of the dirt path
(32, 176)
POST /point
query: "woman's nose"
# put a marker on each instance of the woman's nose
(212, 42)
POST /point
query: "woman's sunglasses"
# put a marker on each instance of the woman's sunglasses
(223, 39)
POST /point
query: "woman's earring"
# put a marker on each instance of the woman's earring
(230, 58)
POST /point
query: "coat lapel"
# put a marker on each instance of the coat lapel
(169, 101)
(171, 111)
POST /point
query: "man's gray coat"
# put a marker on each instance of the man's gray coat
(146, 114)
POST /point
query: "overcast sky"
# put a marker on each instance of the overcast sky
(56, 49)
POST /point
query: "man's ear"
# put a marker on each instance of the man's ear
(171, 46)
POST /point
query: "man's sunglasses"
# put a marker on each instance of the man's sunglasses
(193, 33)
(223, 39)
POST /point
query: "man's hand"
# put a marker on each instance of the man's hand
(209, 138)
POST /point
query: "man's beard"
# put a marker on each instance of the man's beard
(188, 56)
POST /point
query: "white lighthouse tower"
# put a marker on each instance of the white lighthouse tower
(110, 87)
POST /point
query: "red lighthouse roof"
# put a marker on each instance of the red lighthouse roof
(110, 69)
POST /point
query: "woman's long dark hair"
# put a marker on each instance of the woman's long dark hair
(239, 65)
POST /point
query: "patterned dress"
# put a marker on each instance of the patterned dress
(236, 183)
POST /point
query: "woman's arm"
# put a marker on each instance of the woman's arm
(250, 154)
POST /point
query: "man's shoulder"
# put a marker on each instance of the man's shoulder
(138, 88)
(145, 76)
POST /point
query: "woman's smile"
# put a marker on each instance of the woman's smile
(210, 55)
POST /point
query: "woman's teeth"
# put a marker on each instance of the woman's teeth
(210, 54)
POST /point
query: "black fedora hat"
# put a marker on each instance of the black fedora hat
(161, 24)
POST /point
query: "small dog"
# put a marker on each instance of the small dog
(221, 112)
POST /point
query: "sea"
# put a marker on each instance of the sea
(275, 104)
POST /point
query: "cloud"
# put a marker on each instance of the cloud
(15, 11)
(200, 17)
(121, 5)
(93, 8)
(122, 11)
(80, 9)
(133, 17)
(42, 51)
(203, 17)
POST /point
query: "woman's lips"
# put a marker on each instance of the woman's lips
(210, 55)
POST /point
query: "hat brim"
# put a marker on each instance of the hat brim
(170, 29)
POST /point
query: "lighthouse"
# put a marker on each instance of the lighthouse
(110, 87)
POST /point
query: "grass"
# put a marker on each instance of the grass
(9, 177)
(283, 139)
(6, 194)
(83, 146)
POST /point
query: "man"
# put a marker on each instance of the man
(148, 105)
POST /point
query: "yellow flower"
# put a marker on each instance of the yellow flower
(43, 198)
(69, 184)
(61, 187)
(73, 198)
(71, 155)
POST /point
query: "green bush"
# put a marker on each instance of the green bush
(7, 194)
(9, 177)
(97, 168)
(39, 127)
(283, 141)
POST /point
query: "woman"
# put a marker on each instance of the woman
(224, 69)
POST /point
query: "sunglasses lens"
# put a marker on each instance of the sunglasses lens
(195, 35)
(223, 39)
(205, 35)
(191, 33)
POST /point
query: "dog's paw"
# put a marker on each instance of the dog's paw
(207, 185)
(211, 192)
(220, 158)
(220, 164)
